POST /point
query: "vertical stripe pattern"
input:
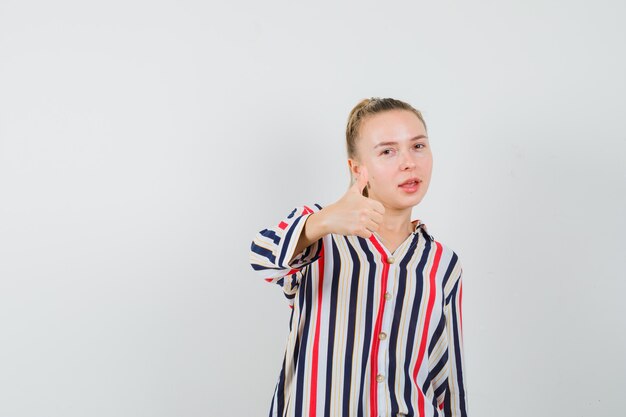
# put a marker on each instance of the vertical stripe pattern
(371, 332)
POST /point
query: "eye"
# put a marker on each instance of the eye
(386, 152)
(419, 144)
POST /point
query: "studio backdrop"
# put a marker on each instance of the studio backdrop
(144, 144)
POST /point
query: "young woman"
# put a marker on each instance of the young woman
(376, 324)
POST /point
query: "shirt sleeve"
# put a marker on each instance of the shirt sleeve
(272, 249)
(455, 402)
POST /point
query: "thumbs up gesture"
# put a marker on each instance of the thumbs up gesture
(352, 215)
(355, 214)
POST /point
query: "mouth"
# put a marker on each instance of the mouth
(410, 186)
(411, 182)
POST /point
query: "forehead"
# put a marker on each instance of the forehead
(391, 125)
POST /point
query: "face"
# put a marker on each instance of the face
(394, 147)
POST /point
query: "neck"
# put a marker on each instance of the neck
(396, 221)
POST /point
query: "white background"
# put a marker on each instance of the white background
(144, 144)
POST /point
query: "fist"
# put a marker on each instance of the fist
(354, 214)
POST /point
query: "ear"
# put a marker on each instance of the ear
(354, 167)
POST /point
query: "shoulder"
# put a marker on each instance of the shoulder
(449, 256)
(447, 250)
(450, 266)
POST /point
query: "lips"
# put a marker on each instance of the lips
(410, 182)
(410, 186)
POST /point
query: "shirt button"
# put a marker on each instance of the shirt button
(391, 260)
(387, 296)
(382, 336)
(380, 378)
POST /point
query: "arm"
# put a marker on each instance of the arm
(455, 402)
(296, 241)
(342, 217)
(286, 247)
(314, 229)
(278, 253)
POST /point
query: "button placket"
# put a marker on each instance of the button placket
(383, 335)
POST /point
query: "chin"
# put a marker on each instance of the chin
(405, 203)
(412, 201)
(400, 202)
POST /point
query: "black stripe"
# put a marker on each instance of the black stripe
(413, 323)
(306, 257)
(369, 308)
(306, 276)
(437, 368)
(281, 390)
(429, 376)
(457, 353)
(437, 334)
(301, 363)
(296, 347)
(350, 343)
(334, 293)
(446, 276)
(447, 400)
(266, 253)
(444, 385)
(286, 241)
(427, 235)
(292, 287)
(426, 383)
(258, 267)
(319, 249)
(306, 252)
(270, 234)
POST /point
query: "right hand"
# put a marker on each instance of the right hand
(355, 214)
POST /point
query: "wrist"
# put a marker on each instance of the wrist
(317, 225)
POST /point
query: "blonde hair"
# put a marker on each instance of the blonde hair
(364, 109)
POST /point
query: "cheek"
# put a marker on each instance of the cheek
(380, 174)
(383, 181)
(428, 170)
(427, 163)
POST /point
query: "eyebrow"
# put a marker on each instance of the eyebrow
(395, 143)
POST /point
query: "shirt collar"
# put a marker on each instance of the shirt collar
(419, 225)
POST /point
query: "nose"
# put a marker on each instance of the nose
(408, 162)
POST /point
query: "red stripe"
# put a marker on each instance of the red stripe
(377, 327)
(316, 340)
(429, 310)
(306, 210)
(291, 271)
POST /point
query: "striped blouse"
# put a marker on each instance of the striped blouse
(371, 333)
